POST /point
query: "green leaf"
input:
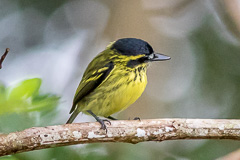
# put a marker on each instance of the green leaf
(25, 89)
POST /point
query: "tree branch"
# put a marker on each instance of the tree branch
(130, 131)
(3, 57)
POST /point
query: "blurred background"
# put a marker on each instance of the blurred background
(51, 43)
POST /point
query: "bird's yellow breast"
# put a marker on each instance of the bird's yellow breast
(119, 90)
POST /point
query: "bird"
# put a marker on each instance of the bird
(114, 79)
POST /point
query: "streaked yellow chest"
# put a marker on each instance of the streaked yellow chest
(121, 89)
(132, 88)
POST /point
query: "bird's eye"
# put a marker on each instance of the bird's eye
(151, 56)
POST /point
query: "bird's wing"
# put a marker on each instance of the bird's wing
(91, 81)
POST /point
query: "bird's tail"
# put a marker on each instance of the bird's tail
(72, 117)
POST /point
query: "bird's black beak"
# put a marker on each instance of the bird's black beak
(160, 57)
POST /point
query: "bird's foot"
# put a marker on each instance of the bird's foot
(101, 121)
(103, 126)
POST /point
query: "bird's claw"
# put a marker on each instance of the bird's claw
(103, 126)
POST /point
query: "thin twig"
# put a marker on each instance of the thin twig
(3, 57)
(128, 131)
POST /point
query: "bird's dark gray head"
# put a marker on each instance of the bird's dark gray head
(132, 47)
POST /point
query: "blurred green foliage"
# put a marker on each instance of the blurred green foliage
(24, 97)
(22, 106)
(217, 78)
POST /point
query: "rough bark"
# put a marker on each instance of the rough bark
(129, 131)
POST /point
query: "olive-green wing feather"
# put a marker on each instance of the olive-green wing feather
(90, 81)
